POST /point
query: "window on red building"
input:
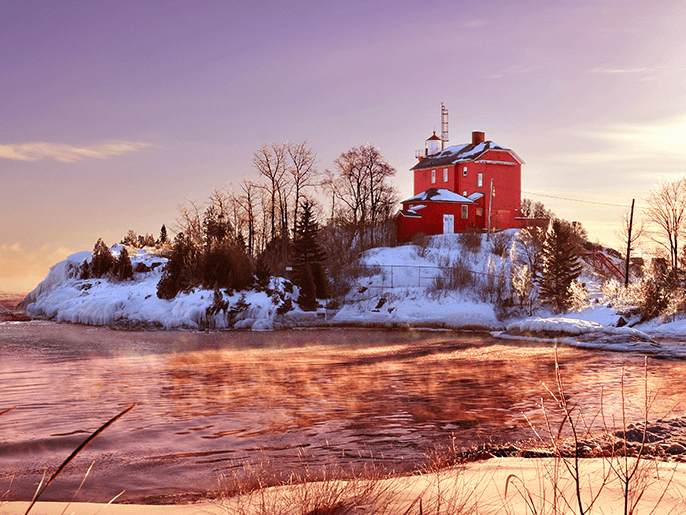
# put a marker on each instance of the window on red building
(433, 176)
(465, 212)
(445, 175)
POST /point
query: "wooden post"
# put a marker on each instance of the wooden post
(628, 244)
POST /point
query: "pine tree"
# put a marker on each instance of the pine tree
(180, 272)
(163, 235)
(122, 269)
(308, 260)
(560, 265)
(102, 260)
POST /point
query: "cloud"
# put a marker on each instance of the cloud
(63, 153)
(518, 69)
(15, 247)
(609, 70)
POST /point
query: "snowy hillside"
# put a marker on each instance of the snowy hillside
(395, 287)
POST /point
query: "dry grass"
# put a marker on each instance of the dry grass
(440, 492)
(44, 485)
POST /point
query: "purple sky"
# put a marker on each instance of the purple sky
(113, 112)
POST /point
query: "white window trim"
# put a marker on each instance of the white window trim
(433, 176)
(464, 171)
(465, 212)
(445, 175)
(480, 180)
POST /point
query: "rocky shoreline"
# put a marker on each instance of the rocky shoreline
(8, 309)
(664, 440)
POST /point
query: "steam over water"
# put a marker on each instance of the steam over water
(210, 402)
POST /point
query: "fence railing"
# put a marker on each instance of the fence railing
(401, 276)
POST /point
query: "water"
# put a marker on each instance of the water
(208, 403)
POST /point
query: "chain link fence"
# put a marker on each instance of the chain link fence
(400, 276)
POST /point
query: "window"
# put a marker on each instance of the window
(445, 175)
(433, 176)
(464, 171)
(464, 193)
(480, 180)
(479, 211)
(465, 212)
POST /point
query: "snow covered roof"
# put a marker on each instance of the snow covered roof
(459, 153)
(439, 195)
(409, 213)
(475, 196)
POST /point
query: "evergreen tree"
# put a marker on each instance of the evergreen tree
(308, 260)
(560, 265)
(226, 266)
(102, 260)
(180, 271)
(163, 235)
(122, 269)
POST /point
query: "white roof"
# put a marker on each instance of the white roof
(439, 195)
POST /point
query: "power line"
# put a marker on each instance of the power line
(575, 199)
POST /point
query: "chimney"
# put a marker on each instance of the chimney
(478, 137)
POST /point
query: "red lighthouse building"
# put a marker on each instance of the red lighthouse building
(474, 186)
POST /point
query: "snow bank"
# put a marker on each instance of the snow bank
(57, 275)
(570, 326)
(63, 297)
(394, 291)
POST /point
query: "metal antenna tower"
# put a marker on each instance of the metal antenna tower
(444, 126)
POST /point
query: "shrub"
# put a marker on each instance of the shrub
(456, 276)
(500, 243)
(262, 274)
(421, 242)
(470, 240)
(218, 303)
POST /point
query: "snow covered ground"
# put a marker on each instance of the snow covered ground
(396, 291)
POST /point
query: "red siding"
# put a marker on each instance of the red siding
(431, 221)
(507, 185)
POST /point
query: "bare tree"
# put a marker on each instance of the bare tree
(329, 186)
(302, 171)
(247, 203)
(666, 211)
(535, 209)
(189, 223)
(360, 182)
(270, 162)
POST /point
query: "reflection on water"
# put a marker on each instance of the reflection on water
(207, 403)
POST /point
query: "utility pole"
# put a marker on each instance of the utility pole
(490, 210)
(628, 244)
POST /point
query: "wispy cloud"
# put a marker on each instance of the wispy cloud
(64, 153)
(518, 69)
(615, 70)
